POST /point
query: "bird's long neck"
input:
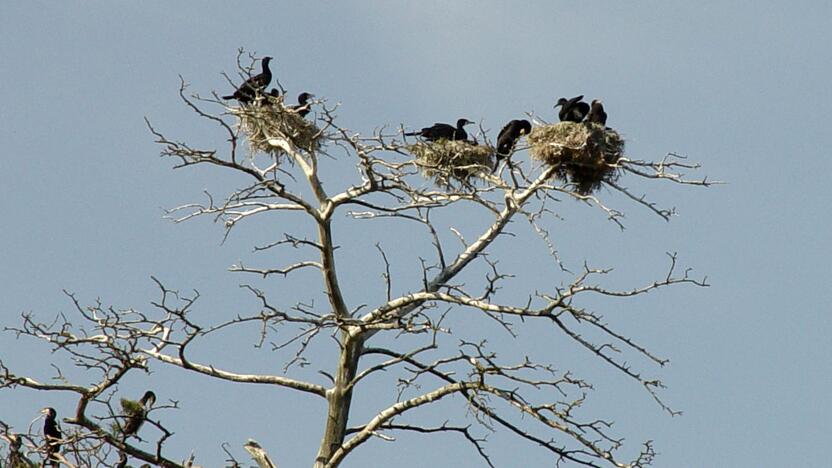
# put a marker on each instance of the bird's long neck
(461, 134)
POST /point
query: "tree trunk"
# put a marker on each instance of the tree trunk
(339, 399)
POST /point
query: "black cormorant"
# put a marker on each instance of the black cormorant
(136, 412)
(303, 105)
(443, 131)
(249, 89)
(509, 135)
(572, 110)
(53, 436)
(596, 113)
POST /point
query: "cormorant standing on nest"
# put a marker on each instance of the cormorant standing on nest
(572, 110)
(136, 412)
(303, 105)
(249, 89)
(596, 113)
(443, 131)
(508, 137)
(53, 436)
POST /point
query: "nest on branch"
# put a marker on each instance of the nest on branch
(269, 119)
(585, 154)
(445, 160)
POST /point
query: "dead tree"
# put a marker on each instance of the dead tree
(536, 401)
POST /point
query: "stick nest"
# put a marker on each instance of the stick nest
(446, 161)
(586, 154)
(269, 119)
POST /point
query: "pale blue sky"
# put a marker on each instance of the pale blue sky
(741, 87)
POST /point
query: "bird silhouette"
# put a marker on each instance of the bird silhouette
(136, 412)
(254, 85)
(572, 110)
(596, 113)
(53, 436)
(303, 105)
(509, 135)
(443, 131)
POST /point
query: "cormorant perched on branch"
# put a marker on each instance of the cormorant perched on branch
(596, 113)
(443, 131)
(249, 89)
(508, 137)
(53, 436)
(303, 105)
(572, 110)
(136, 412)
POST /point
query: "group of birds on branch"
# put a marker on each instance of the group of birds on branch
(135, 415)
(571, 110)
(255, 86)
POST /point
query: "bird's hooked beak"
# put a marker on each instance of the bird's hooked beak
(44, 411)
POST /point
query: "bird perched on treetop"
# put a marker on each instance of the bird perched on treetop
(53, 436)
(254, 85)
(135, 413)
(443, 131)
(303, 105)
(508, 137)
(596, 113)
(572, 110)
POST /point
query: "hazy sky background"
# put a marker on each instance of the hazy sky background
(742, 87)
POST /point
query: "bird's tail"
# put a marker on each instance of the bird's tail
(228, 97)
(412, 133)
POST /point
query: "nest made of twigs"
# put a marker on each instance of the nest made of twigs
(447, 160)
(268, 119)
(585, 154)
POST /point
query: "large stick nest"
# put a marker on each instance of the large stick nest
(268, 118)
(446, 160)
(585, 154)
